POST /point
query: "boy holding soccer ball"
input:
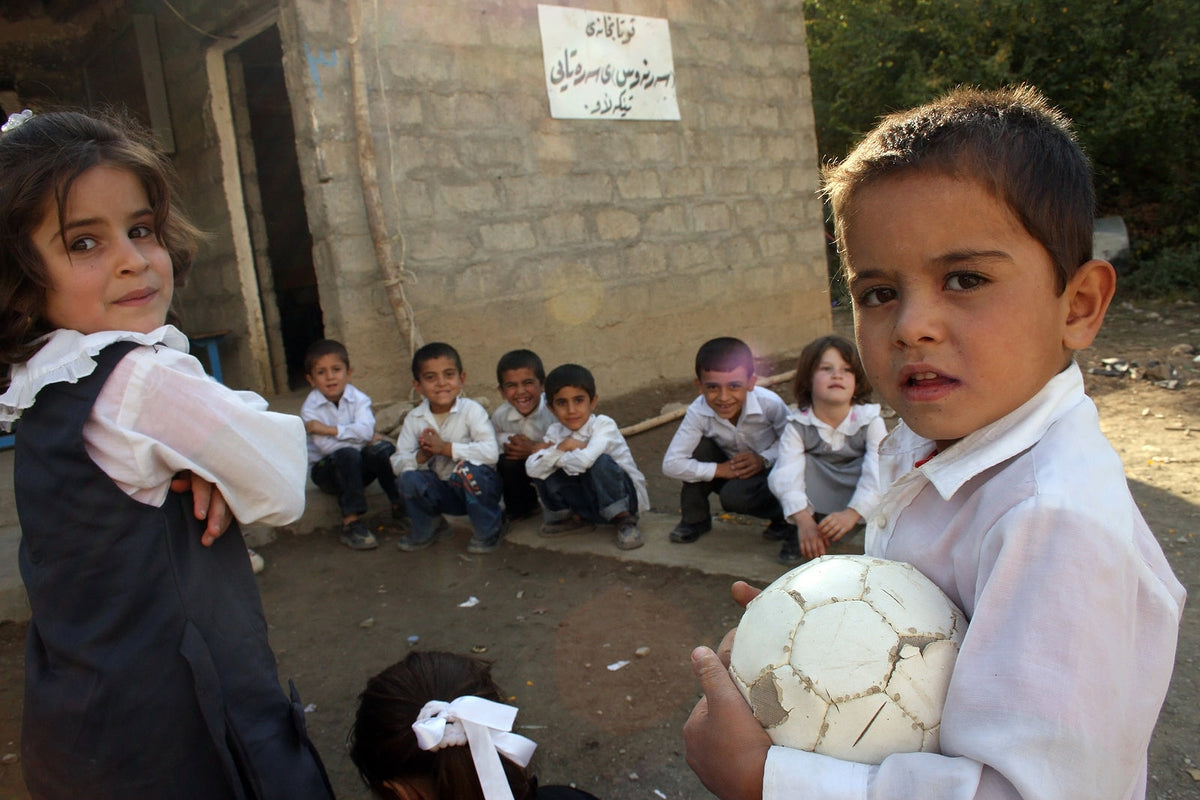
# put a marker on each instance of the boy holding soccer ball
(966, 228)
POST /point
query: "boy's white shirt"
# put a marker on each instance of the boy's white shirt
(1027, 524)
(467, 429)
(352, 416)
(762, 421)
(159, 413)
(787, 479)
(601, 435)
(508, 421)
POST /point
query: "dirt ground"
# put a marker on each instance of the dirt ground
(553, 622)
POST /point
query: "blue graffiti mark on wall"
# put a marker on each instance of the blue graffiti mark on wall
(317, 59)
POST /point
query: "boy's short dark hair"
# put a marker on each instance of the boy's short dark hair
(520, 359)
(431, 351)
(1011, 141)
(570, 375)
(724, 354)
(325, 347)
(810, 356)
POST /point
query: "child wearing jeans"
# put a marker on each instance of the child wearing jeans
(446, 456)
(520, 422)
(966, 232)
(827, 477)
(345, 455)
(583, 470)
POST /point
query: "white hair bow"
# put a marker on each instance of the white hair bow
(485, 725)
(16, 120)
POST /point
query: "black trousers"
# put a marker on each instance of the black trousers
(749, 496)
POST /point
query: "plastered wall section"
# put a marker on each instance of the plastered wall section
(618, 245)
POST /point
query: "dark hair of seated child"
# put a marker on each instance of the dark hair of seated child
(385, 747)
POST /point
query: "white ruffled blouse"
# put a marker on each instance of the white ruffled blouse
(159, 413)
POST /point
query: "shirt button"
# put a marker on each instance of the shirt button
(881, 521)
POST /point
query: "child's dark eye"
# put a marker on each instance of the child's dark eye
(141, 232)
(876, 296)
(83, 243)
(964, 281)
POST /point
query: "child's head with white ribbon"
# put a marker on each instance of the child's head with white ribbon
(434, 726)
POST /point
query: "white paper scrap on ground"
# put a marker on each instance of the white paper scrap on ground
(470, 602)
(616, 665)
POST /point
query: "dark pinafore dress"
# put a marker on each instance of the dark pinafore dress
(147, 672)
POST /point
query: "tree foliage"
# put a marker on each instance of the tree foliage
(1126, 71)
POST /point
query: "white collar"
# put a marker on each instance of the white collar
(66, 356)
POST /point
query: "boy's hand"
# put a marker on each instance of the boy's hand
(838, 524)
(432, 444)
(747, 465)
(571, 443)
(519, 447)
(207, 504)
(726, 746)
(812, 542)
(312, 426)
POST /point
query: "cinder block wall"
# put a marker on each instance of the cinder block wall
(618, 245)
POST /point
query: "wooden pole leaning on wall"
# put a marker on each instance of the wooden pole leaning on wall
(663, 419)
(391, 266)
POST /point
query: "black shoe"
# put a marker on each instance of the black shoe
(441, 530)
(778, 530)
(789, 554)
(356, 536)
(481, 546)
(688, 532)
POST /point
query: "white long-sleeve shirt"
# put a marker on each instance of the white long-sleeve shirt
(601, 436)
(467, 429)
(352, 416)
(758, 428)
(159, 413)
(508, 421)
(787, 479)
(1028, 525)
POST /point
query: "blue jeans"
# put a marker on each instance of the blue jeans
(348, 471)
(473, 489)
(598, 495)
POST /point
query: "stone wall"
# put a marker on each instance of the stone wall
(621, 245)
(618, 245)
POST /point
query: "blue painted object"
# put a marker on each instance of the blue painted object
(209, 342)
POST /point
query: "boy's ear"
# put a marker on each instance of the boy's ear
(750, 383)
(308, 377)
(1088, 294)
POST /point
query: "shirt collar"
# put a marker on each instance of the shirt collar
(992, 444)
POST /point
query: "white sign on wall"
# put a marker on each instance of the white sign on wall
(607, 66)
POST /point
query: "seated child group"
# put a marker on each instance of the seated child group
(811, 473)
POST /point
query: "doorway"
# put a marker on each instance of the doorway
(274, 204)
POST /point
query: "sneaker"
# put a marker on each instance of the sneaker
(256, 561)
(778, 530)
(790, 553)
(628, 535)
(688, 532)
(356, 536)
(562, 526)
(481, 546)
(441, 530)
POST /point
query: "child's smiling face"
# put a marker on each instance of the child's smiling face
(329, 376)
(725, 392)
(522, 389)
(439, 380)
(113, 274)
(957, 314)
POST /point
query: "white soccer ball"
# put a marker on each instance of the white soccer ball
(849, 656)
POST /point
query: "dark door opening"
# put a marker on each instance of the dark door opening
(284, 221)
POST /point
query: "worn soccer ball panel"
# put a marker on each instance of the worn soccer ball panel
(849, 656)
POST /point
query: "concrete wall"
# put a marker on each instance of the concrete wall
(619, 245)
